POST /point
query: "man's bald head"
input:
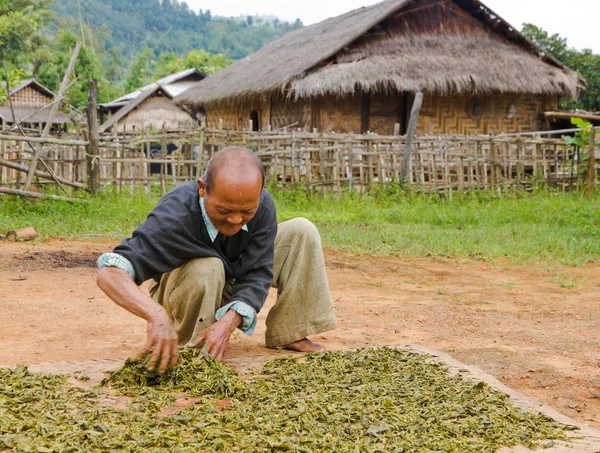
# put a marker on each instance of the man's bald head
(236, 163)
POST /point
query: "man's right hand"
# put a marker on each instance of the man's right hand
(161, 339)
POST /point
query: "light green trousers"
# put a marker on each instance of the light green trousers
(194, 292)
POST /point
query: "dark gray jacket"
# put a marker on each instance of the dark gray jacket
(174, 233)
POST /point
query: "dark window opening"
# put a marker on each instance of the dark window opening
(201, 114)
(254, 118)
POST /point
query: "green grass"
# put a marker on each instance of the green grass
(523, 228)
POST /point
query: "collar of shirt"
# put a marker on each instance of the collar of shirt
(212, 231)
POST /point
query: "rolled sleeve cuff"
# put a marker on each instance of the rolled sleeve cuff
(116, 260)
(247, 313)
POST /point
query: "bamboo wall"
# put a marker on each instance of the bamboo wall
(30, 97)
(464, 115)
(340, 115)
(323, 162)
(484, 115)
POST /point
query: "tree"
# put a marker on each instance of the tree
(206, 62)
(140, 71)
(89, 64)
(585, 62)
(21, 22)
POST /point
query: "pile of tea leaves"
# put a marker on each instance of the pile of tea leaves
(368, 400)
(196, 374)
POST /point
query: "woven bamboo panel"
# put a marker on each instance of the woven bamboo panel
(29, 96)
(384, 112)
(287, 113)
(228, 115)
(237, 117)
(484, 115)
(340, 115)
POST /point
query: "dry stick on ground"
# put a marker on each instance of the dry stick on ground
(61, 91)
(25, 193)
(15, 166)
(21, 130)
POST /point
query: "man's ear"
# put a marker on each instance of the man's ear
(201, 188)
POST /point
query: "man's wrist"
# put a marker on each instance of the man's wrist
(156, 313)
(233, 319)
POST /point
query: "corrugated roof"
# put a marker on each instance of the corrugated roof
(172, 84)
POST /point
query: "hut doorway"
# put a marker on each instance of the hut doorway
(385, 114)
(255, 117)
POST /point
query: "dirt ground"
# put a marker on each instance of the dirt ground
(537, 330)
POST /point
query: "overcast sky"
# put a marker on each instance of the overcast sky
(578, 20)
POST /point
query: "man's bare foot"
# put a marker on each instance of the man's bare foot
(305, 345)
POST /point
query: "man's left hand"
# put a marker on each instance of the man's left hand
(216, 337)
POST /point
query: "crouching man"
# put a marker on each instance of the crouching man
(213, 248)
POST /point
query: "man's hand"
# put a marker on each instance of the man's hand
(161, 339)
(216, 337)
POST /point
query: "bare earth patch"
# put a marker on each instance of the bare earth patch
(536, 330)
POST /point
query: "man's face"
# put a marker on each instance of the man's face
(230, 204)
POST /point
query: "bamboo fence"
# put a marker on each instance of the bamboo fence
(154, 162)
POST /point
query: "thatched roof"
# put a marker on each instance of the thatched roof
(165, 111)
(32, 115)
(360, 50)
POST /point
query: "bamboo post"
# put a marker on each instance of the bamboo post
(370, 164)
(200, 154)
(63, 86)
(337, 172)
(519, 168)
(93, 151)
(293, 163)
(322, 166)
(460, 174)
(412, 126)
(492, 165)
(590, 185)
(19, 159)
(180, 157)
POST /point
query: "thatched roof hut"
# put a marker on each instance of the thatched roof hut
(455, 49)
(172, 84)
(152, 108)
(32, 105)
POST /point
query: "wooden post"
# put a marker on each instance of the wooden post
(93, 154)
(412, 126)
(590, 185)
(61, 91)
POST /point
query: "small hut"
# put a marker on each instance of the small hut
(359, 72)
(32, 105)
(152, 109)
(152, 105)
